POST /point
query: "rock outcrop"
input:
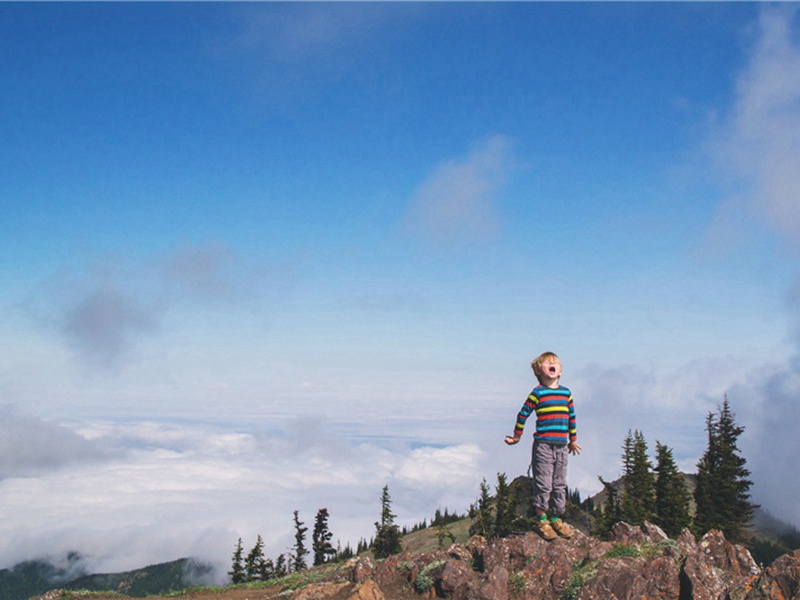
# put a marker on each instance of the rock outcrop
(637, 563)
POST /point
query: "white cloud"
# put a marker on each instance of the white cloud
(30, 447)
(758, 144)
(173, 490)
(458, 202)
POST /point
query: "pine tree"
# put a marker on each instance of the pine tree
(254, 563)
(387, 534)
(483, 513)
(362, 546)
(267, 570)
(443, 534)
(722, 494)
(300, 552)
(321, 539)
(638, 497)
(672, 495)
(610, 513)
(281, 567)
(237, 572)
(504, 507)
(345, 554)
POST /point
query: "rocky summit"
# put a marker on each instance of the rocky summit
(637, 563)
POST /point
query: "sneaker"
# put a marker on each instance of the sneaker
(544, 529)
(561, 528)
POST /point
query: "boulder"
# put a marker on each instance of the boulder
(781, 580)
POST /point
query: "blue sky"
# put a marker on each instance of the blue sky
(330, 237)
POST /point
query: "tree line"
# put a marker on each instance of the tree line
(255, 566)
(647, 492)
(659, 493)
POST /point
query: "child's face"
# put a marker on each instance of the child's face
(550, 368)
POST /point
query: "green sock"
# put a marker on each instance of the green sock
(542, 518)
(555, 519)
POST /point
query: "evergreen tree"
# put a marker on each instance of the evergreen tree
(300, 552)
(321, 539)
(345, 554)
(443, 534)
(362, 546)
(638, 498)
(609, 513)
(254, 563)
(504, 507)
(722, 494)
(281, 566)
(387, 534)
(267, 570)
(672, 495)
(483, 513)
(237, 572)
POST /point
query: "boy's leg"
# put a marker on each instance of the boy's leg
(558, 499)
(542, 462)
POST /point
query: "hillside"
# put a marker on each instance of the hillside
(36, 577)
(638, 562)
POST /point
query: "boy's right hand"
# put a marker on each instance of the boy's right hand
(511, 440)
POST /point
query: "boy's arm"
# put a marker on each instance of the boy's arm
(573, 447)
(524, 413)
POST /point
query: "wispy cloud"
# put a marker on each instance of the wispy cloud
(107, 311)
(757, 146)
(287, 54)
(459, 201)
(305, 32)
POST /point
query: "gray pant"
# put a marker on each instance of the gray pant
(549, 477)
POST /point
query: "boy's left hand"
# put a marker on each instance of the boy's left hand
(511, 440)
(574, 448)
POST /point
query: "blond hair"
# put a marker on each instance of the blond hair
(536, 363)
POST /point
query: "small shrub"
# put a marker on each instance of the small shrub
(623, 550)
(517, 584)
(424, 581)
(578, 579)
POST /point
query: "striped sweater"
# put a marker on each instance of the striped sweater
(555, 415)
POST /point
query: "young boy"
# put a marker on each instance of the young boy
(554, 438)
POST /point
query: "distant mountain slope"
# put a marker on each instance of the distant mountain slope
(154, 579)
(36, 576)
(32, 578)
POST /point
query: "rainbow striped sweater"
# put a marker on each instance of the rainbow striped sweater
(555, 415)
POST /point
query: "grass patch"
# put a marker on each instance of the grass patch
(578, 579)
(517, 584)
(72, 594)
(624, 550)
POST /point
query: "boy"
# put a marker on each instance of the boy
(554, 438)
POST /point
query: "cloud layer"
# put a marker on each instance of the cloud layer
(129, 494)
